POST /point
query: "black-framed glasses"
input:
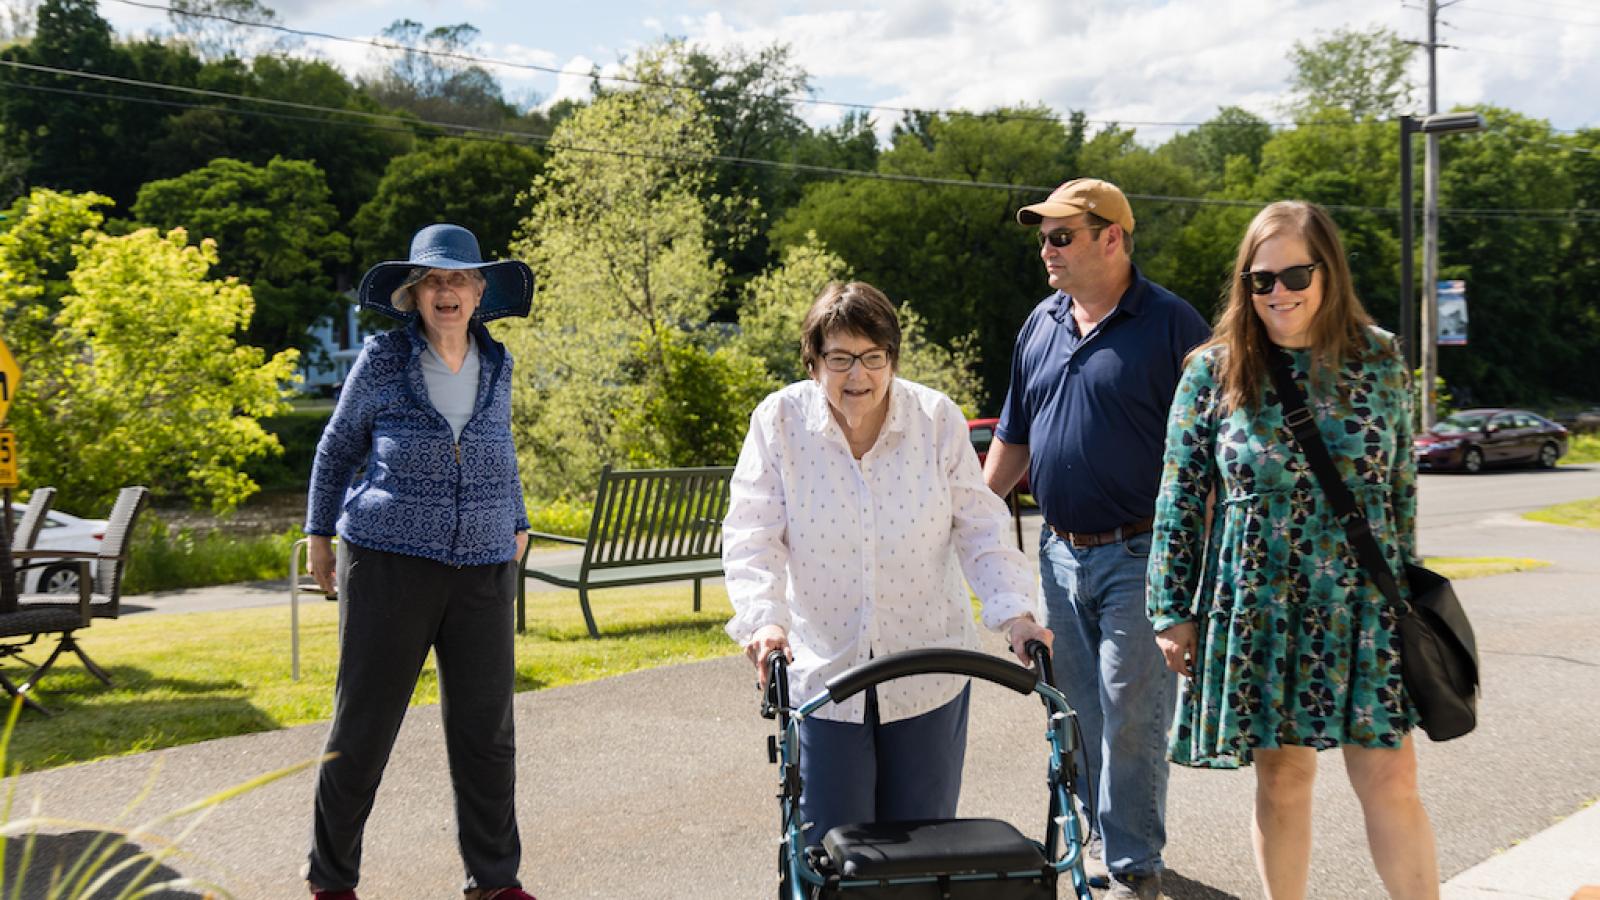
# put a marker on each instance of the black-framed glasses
(1061, 237)
(840, 361)
(1294, 278)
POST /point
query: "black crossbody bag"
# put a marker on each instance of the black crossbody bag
(1438, 655)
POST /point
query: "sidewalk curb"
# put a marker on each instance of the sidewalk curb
(1551, 865)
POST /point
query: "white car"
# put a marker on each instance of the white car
(60, 532)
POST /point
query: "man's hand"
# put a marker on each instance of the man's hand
(522, 545)
(1022, 629)
(320, 549)
(761, 644)
(1178, 645)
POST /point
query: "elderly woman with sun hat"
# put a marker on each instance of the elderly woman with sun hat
(417, 474)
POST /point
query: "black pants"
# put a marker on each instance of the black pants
(396, 608)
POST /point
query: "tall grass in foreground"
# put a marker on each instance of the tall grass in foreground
(114, 863)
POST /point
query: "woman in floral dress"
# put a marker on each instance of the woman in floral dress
(1286, 645)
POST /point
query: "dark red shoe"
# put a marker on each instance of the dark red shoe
(514, 893)
(334, 895)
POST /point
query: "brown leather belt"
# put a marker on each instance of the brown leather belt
(1116, 535)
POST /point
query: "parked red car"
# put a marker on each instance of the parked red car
(1474, 438)
(981, 431)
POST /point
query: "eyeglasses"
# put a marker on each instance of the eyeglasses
(840, 361)
(1294, 278)
(436, 281)
(1061, 237)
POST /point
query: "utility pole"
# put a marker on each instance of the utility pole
(1429, 337)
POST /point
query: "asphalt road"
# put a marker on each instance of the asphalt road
(655, 784)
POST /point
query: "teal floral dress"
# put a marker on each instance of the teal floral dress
(1297, 646)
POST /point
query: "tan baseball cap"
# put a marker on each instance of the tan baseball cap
(1082, 195)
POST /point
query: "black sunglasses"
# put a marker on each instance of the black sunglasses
(1061, 237)
(1294, 278)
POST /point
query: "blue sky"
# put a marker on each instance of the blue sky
(1138, 61)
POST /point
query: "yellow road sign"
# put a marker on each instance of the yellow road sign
(10, 374)
(8, 458)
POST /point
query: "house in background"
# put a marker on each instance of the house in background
(336, 344)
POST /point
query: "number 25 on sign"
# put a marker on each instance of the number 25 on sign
(8, 458)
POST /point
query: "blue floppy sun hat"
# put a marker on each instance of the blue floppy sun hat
(508, 283)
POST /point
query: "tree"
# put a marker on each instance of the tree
(953, 252)
(1528, 337)
(275, 229)
(218, 29)
(426, 81)
(141, 380)
(77, 138)
(482, 185)
(16, 20)
(618, 238)
(775, 306)
(1364, 72)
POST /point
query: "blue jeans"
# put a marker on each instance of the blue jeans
(875, 772)
(1108, 666)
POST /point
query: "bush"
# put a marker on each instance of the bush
(162, 560)
(562, 517)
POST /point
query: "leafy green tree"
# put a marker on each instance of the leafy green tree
(72, 138)
(626, 274)
(1365, 72)
(775, 306)
(1526, 336)
(952, 251)
(481, 185)
(277, 232)
(141, 380)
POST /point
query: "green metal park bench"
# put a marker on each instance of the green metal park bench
(649, 526)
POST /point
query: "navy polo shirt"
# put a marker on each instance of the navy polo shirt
(1093, 408)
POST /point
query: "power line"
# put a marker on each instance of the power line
(503, 136)
(726, 92)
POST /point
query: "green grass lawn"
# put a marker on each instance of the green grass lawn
(1583, 448)
(1578, 513)
(179, 679)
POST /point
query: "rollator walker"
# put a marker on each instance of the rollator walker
(930, 859)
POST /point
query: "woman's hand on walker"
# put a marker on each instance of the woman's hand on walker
(1178, 645)
(1022, 629)
(319, 549)
(761, 645)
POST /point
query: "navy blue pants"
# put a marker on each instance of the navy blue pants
(875, 772)
(396, 609)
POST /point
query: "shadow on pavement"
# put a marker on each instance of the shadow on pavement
(1178, 887)
(54, 856)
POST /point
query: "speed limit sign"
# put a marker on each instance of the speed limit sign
(8, 458)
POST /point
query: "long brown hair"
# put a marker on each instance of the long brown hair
(1337, 330)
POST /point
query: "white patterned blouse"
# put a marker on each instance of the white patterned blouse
(862, 558)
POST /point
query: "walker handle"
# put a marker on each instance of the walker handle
(929, 660)
(1040, 654)
(776, 697)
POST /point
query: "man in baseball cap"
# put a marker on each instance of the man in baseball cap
(1095, 369)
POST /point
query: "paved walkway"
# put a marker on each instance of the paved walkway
(655, 784)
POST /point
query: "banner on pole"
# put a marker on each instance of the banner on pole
(1452, 313)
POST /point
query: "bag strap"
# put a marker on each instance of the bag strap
(1357, 530)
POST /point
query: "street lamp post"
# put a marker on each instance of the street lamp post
(1423, 343)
